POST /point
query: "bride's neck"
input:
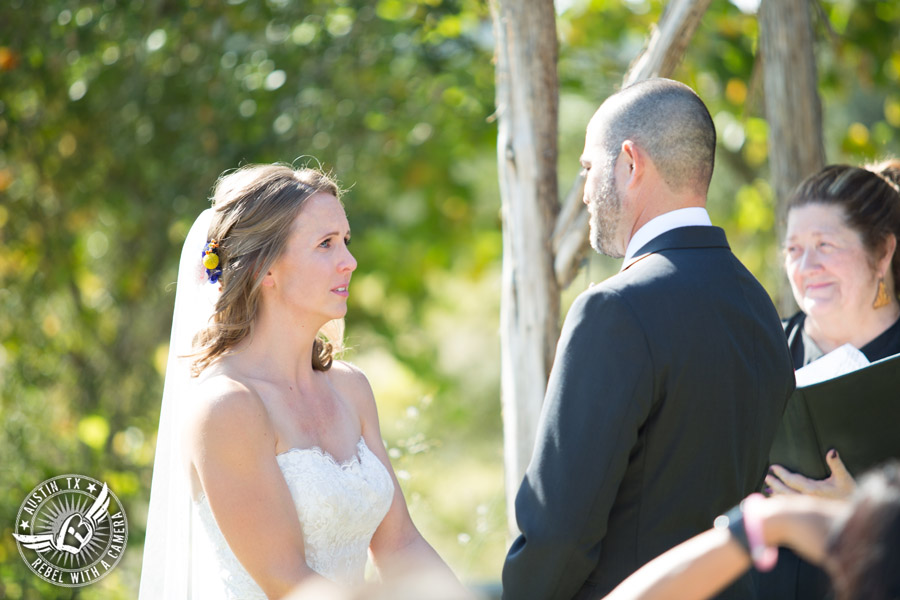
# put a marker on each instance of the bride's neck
(280, 348)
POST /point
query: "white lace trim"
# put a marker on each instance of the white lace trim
(339, 506)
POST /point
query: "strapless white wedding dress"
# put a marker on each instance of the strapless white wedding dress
(339, 506)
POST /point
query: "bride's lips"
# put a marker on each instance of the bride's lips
(342, 290)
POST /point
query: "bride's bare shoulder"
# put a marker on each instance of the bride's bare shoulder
(353, 385)
(227, 409)
(348, 377)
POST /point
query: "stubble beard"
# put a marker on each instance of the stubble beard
(605, 208)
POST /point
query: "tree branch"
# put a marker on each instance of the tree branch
(793, 107)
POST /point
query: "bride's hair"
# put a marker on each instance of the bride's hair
(254, 208)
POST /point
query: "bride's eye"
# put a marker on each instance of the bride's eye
(326, 243)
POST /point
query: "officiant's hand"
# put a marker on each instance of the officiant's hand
(840, 484)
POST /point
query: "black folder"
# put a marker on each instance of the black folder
(857, 413)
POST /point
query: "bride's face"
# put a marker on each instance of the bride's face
(312, 276)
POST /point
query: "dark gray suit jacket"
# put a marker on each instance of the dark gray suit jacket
(669, 382)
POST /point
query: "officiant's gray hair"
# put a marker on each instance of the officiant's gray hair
(254, 208)
(671, 124)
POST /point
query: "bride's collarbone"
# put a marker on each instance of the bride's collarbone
(315, 418)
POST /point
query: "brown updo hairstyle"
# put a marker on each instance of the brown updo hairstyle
(254, 208)
(870, 200)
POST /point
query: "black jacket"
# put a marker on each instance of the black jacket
(669, 382)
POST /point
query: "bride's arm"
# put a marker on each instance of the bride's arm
(397, 548)
(231, 445)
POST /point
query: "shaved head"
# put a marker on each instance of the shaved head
(669, 122)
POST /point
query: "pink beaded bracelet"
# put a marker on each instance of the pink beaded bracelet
(764, 557)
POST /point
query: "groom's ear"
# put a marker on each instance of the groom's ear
(634, 160)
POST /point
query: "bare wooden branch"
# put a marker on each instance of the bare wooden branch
(668, 41)
(826, 22)
(664, 51)
(793, 108)
(527, 110)
(570, 235)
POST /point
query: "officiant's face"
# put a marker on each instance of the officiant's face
(829, 269)
(312, 277)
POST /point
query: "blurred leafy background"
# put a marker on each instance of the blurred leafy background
(116, 118)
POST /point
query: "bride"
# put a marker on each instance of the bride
(270, 469)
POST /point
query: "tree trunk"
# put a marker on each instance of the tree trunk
(662, 54)
(793, 108)
(527, 107)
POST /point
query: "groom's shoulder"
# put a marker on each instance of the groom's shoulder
(645, 278)
(623, 298)
(621, 288)
(601, 304)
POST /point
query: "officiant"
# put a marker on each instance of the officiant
(841, 259)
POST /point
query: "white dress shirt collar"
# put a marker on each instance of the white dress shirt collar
(682, 217)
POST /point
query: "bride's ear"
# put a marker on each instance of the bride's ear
(268, 280)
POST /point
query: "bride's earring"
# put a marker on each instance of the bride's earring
(882, 298)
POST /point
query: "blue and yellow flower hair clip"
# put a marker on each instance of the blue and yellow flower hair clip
(211, 261)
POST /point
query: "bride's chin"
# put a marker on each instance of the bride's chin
(339, 314)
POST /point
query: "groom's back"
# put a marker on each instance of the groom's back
(721, 377)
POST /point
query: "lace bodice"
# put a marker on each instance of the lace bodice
(339, 506)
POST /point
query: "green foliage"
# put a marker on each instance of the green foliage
(858, 56)
(116, 118)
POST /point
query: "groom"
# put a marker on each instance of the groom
(670, 377)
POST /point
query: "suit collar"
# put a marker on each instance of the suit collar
(679, 239)
(680, 217)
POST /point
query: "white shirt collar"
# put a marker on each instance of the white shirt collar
(682, 217)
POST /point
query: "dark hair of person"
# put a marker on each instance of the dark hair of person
(670, 122)
(864, 549)
(870, 201)
(254, 208)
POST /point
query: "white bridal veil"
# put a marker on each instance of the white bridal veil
(170, 558)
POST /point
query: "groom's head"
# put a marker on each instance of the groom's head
(649, 149)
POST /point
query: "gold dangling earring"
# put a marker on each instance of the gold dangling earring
(881, 298)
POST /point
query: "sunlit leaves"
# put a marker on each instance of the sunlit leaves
(395, 10)
(116, 119)
(892, 111)
(93, 431)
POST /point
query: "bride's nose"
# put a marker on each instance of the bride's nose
(348, 262)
